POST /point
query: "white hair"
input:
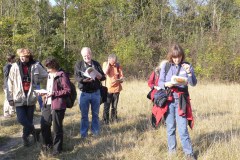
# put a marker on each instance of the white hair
(84, 49)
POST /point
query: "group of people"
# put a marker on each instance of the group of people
(177, 111)
(25, 75)
(22, 84)
(90, 90)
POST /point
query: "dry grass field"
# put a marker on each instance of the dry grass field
(216, 133)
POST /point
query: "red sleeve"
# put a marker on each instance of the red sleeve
(151, 80)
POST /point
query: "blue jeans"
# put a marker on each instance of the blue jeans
(25, 118)
(173, 119)
(85, 100)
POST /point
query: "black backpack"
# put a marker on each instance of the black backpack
(70, 99)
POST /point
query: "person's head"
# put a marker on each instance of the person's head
(176, 54)
(24, 54)
(11, 58)
(112, 59)
(160, 65)
(86, 54)
(52, 64)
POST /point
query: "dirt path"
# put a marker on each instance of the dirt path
(7, 149)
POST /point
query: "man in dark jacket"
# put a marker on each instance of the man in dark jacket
(90, 90)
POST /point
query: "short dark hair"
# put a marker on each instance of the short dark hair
(51, 62)
(10, 57)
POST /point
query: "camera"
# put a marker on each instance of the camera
(26, 78)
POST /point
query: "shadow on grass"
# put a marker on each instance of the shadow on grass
(204, 141)
(13, 120)
(8, 121)
(14, 149)
(140, 124)
(106, 146)
(110, 141)
(211, 114)
(3, 140)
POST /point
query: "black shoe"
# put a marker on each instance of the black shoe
(26, 142)
(38, 131)
(36, 134)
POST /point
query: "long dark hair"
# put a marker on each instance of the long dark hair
(175, 51)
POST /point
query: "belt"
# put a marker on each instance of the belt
(89, 91)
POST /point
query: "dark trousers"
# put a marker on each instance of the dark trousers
(25, 118)
(112, 100)
(56, 117)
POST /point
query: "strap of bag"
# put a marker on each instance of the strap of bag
(167, 68)
(178, 70)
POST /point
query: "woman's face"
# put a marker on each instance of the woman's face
(24, 59)
(177, 60)
(51, 70)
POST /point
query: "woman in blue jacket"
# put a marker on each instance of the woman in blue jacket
(175, 115)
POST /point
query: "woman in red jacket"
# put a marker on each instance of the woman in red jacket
(154, 77)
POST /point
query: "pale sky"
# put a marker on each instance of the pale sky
(53, 2)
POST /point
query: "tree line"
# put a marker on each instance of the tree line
(139, 32)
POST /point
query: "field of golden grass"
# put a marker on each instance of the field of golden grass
(216, 133)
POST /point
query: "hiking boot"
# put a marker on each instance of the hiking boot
(36, 134)
(26, 142)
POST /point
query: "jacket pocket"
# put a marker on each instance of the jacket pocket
(32, 99)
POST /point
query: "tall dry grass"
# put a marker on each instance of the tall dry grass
(216, 134)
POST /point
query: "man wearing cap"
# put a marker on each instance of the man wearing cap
(22, 80)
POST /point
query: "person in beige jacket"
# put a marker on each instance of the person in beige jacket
(114, 80)
(23, 78)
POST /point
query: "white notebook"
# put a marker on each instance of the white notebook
(177, 80)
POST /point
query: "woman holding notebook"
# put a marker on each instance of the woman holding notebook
(178, 109)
